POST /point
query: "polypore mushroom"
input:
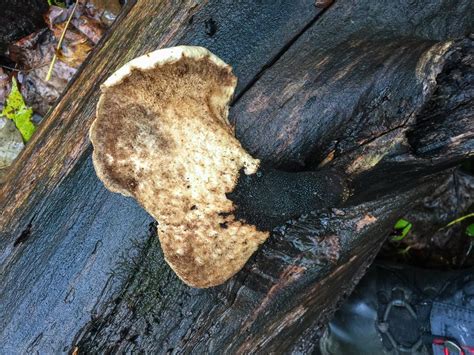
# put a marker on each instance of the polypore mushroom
(161, 135)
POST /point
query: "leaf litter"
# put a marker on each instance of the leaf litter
(25, 94)
(16, 110)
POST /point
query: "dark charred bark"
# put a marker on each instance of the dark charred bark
(362, 88)
(270, 197)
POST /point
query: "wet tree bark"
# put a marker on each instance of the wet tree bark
(380, 92)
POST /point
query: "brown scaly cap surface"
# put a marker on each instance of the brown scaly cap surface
(161, 136)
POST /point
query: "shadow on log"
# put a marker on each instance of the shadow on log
(356, 87)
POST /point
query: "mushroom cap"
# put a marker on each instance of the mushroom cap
(161, 135)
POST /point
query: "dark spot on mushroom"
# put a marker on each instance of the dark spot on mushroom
(223, 225)
(182, 68)
(211, 27)
(132, 184)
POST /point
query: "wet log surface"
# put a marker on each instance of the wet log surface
(366, 88)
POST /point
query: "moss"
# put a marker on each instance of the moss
(146, 276)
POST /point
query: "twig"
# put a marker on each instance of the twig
(22, 70)
(58, 48)
(460, 219)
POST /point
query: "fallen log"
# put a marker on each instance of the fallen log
(352, 87)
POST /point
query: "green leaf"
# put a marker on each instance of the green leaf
(401, 223)
(16, 110)
(402, 227)
(470, 230)
(56, 3)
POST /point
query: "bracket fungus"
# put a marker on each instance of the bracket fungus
(161, 136)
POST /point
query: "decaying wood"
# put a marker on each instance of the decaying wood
(283, 290)
(62, 139)
(352, 87)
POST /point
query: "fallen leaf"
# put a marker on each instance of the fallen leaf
(90, 27)
(71, 35)
(75, 53)
(470, 230)
(11, 142)
(33, 50)
(55, 15)
(58, 3)
(103, 10)
(33, 54)
(4, 86)
(16, 110)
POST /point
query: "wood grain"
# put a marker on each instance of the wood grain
(85, 264)
(62, 139)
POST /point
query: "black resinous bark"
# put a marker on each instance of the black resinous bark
(439, 137)
(445, 125)
(271, 197)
